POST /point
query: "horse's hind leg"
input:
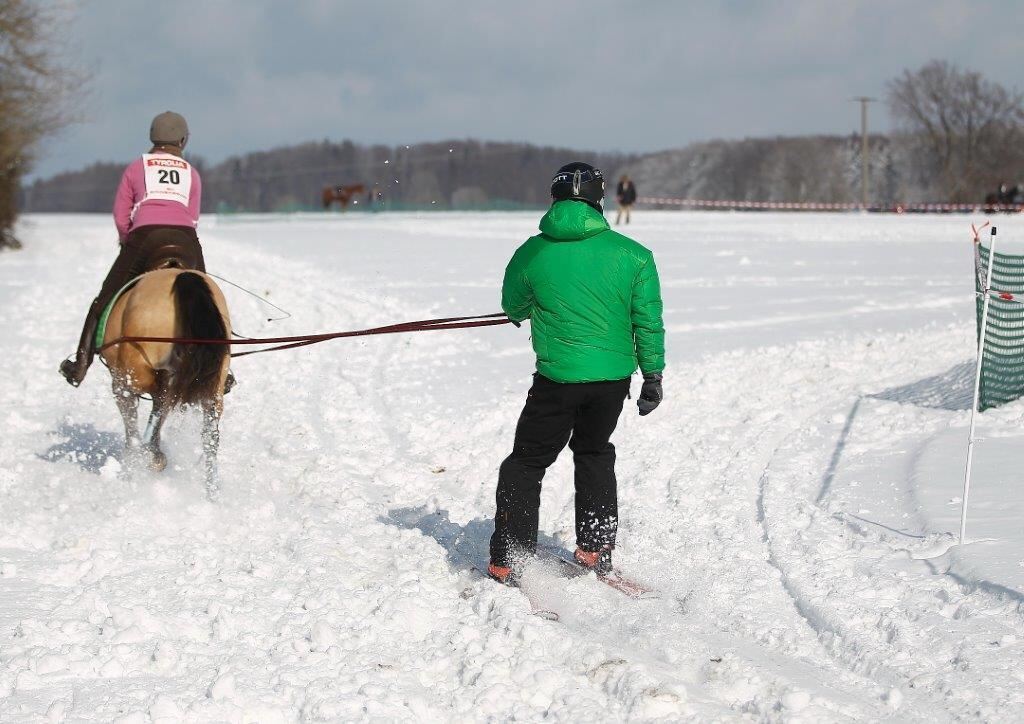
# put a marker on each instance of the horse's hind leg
(211, 444)
(128, 406)
(151, 440)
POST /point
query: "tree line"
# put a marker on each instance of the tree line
(37, 90)
(457, 174)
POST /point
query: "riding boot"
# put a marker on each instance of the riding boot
(230, 382)
(74, 370)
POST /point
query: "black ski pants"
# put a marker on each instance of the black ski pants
(584, 415)
(144, 249)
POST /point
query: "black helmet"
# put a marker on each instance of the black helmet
(579, 181)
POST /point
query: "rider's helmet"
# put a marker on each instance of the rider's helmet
(169, 129)
(579, 181)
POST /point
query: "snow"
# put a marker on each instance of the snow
(794, 500)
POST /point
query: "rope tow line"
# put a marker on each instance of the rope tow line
(425, 325)
(256, 296)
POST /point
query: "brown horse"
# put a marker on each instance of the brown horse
(170, 303)
(341, 194)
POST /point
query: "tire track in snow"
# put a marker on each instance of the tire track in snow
(897, 628)
(749, 679)
(803, 377)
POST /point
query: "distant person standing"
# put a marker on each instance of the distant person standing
(594, 303)
(625, 194)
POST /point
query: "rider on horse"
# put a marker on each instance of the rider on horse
(156, 210)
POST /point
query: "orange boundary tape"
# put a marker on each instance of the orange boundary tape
(825, 206)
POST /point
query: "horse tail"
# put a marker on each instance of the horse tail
(197, 368)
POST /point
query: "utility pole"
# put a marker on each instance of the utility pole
(864, 100)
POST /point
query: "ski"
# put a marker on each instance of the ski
(536, 610)
(615, 579)
(477, 564)
(570, 569)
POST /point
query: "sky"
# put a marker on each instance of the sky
(636, 75)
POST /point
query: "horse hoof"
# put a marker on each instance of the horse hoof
(159, 462)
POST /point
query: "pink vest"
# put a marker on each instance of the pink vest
(158, 189)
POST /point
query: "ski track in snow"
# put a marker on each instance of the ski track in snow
(338, 578)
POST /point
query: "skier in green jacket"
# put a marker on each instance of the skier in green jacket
(593, 300)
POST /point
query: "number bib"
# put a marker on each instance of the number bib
(168, 178)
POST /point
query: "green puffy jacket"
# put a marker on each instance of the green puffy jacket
(592, 297)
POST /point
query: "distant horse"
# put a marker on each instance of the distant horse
(341, 194)
(170, 303)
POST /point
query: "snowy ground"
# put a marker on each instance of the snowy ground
(792, 499)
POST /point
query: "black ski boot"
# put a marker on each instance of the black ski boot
(74, 370)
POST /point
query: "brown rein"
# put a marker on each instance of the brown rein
(425, 325)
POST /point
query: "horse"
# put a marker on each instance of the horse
(341, 194)
(183, 304)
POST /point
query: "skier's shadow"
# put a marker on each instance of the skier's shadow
(85, 446)
(467, 545)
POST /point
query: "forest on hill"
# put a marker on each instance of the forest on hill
(465, 174)
(471, 174)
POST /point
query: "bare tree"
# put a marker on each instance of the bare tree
(35, 88)
(963, 130)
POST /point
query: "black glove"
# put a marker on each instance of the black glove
(650, 393)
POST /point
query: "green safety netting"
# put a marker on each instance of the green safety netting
(1002, 363)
